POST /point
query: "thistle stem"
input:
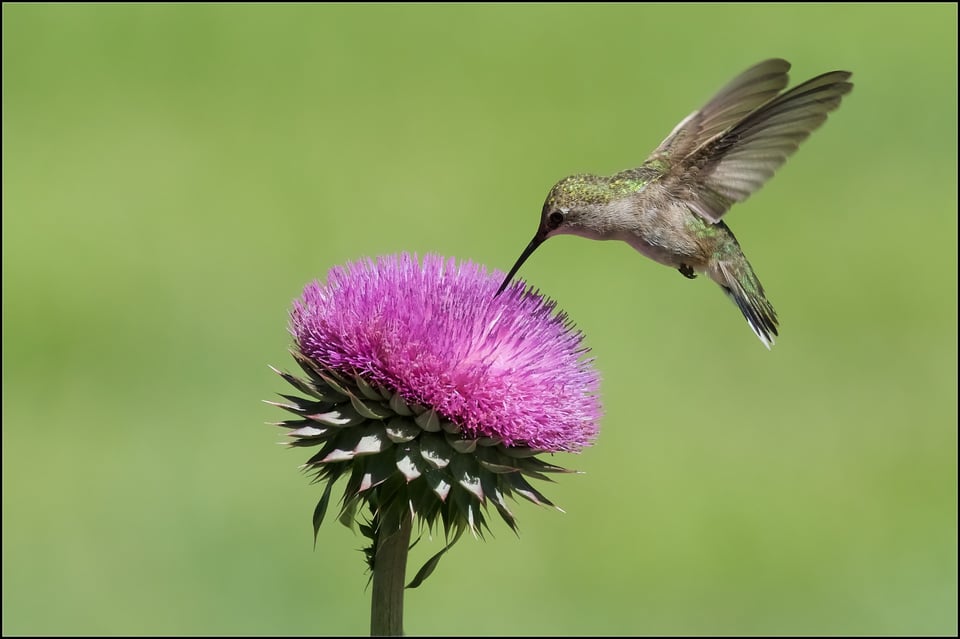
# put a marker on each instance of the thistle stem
(389, 572)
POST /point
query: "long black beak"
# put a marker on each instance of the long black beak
(531, 247)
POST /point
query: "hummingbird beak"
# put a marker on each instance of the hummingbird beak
(537, 240)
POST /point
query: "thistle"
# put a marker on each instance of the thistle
(431, 398)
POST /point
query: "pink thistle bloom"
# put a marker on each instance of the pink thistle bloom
(432, 395)
(505, 367)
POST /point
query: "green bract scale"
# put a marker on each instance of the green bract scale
(396, 456)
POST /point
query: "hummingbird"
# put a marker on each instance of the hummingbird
(671, 207)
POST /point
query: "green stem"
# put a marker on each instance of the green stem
(389, 572)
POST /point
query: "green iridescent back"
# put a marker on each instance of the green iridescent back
(586, 188)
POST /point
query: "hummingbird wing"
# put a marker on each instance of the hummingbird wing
(730, 105)
(732, 146)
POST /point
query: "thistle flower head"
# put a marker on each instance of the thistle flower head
(431, 394)
(500, 367)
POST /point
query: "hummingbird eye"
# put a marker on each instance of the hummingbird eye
(555, 220)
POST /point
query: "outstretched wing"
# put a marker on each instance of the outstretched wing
(742, 95)
(746, 135)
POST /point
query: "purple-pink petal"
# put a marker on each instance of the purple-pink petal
(507, 367)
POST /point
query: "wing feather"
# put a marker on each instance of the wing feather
(730, 105)
(726, 151)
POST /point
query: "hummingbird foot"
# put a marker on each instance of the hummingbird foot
(687, 271)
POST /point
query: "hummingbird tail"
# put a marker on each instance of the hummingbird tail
(742, 286)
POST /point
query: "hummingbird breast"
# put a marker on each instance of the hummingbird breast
(666, 231)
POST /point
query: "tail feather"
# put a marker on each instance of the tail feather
(742, 286)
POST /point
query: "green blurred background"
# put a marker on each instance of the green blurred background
(173, 176)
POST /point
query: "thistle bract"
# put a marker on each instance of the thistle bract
(430, 395)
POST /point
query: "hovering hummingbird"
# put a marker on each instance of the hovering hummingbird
(670, 208)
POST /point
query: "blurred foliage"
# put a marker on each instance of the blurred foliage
(174, 174)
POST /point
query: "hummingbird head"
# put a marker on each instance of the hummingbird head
(570, 208)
